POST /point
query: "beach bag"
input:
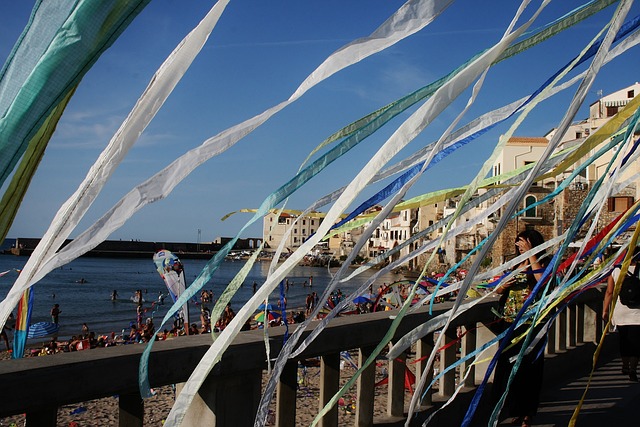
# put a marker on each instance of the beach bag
(630, 289)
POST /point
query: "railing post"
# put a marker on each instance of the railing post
(424, 347)
(483, 335)
(468, 347)
(447, 358)
(329, 383)
(552, 336)
(130, 410)
(45, 417)
(286, 395)
(561, 325)
(580, 326)
(593, 322)
(365, 386)
(225, 401)
(573, 325)
(395, 400)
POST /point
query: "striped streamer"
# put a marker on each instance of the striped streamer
(23, 320)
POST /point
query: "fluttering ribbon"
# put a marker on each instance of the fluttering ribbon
(439, 95)
(23, 320)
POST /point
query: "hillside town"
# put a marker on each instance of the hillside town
(423, 222)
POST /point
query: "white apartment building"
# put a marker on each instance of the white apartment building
(518, 152)
(394, 230)
(275, 227)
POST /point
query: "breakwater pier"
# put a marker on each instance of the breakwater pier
(24, 246)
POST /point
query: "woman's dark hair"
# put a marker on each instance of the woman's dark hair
(536, 239)
(533, 236)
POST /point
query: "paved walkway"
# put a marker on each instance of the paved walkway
(612, 400)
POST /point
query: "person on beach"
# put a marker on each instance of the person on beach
(114, 295)
(255, 287)
(205, 319)
(308, 304)
(227, 315)
(139, 314)
(524, 393)
(134, 335)
(55, 313)
(626, 320)
(85, 329)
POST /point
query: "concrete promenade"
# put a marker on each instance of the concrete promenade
(612, 400)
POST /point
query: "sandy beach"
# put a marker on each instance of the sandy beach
(104, 412)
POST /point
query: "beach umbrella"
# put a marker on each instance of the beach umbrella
(267, 307)
(42, 329)
(271, 315)
(361, 300)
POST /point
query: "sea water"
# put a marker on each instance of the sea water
(83, 289)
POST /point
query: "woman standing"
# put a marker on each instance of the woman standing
(524, 393)
(626, 320)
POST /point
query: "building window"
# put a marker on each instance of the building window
(312, 231)
(295, 240)
(631, 93)
(619, 204)
(313, 222)
(612, 111)
(578, 135)
(531, 211)
(304, 231)
(295, 231)
(304, 222)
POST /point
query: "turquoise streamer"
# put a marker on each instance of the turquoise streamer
(91, 28)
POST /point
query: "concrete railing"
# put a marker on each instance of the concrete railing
(230, 395)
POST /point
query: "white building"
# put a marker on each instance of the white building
(394, 230)
(275, 227)
(600, 112)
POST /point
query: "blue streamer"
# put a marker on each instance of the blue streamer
(283, 311)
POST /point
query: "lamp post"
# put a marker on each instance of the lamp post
(198, 242)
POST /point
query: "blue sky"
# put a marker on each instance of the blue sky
(256, 57)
